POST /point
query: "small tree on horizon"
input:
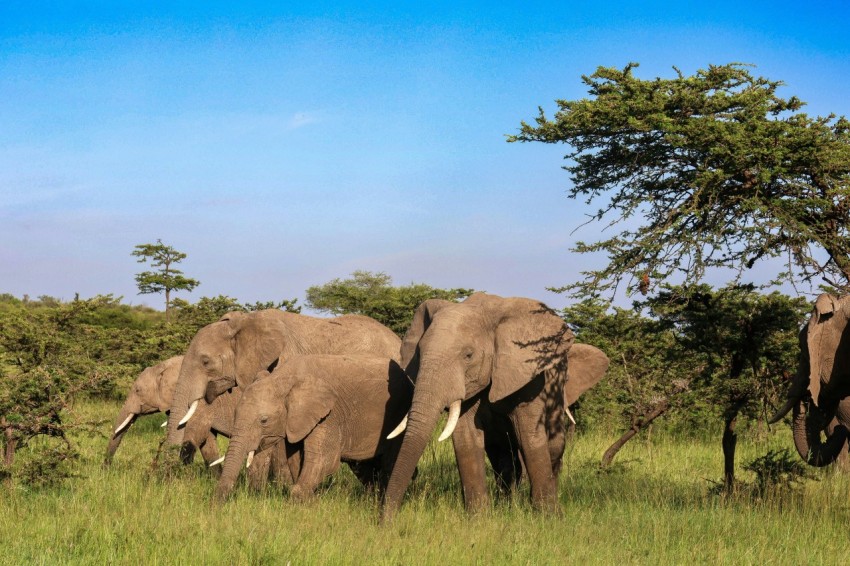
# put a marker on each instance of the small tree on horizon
(166, 278)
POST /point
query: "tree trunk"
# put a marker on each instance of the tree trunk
(730, 440)
(10, 444)
(638, 424)
(167, 306)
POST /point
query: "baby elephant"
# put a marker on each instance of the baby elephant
(327, 409)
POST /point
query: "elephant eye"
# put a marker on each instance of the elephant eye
(264, 419)
(468, 354)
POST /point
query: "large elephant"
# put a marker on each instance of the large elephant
(326, 409)
(490, 360)
(152, 392)
(231, 351)
(821, 382)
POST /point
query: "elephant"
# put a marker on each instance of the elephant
(499, 365)
(821, 382)
(325, 409)
(232, 350)
(152, 392)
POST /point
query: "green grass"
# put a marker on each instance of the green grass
(654, 506)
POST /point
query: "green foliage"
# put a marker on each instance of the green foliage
(166, 278)
(373, 295)
(746, 341)
(723, 171)
(647, 364)
(778, 470)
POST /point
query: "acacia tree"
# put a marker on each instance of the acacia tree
(166, 278)
(723, 171)
(372, 294)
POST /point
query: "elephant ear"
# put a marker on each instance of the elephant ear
(166, 380)
(528, 341)
(586, 365)
(308, 402)
(421, 321)
(824, 305)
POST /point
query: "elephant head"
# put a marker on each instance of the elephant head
(150, 393)
(224, 354)
(821, 381)
(285, 405)
(487, 346)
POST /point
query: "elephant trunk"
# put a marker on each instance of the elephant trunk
(807, 427)
(237, 453)
(128, 414)
(420, 426)
(436, 388)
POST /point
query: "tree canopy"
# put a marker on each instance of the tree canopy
(703, 171)
(372, 294)
(166, 278)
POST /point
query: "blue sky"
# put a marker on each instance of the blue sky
(281, 147)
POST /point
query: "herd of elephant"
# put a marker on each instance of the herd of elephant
(298, 395)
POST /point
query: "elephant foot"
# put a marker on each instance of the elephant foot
(549, 506)
(301, 494)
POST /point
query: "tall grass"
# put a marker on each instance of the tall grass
(654, 506)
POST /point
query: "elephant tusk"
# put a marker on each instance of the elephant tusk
(399, 429)
(191, 412)
(163, 425)
(569, 414)
(217, 462)
(451, 423)
(789, 404)
(124, 425)
(250, 459)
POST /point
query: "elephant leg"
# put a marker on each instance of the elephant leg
(258, 473)
(534, 443)
(322, 450)
(468, 440)
(280, 471)
(504, 456)
(209, 452)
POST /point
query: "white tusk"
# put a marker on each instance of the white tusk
(163, 425)
(217, 462)
(250, 459)
(123, 425)
(191, 412)
(451, 423)
(569, 414)
(399, 429)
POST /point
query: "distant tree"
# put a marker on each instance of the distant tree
(710, 170)
(373, 295)
(166, 278)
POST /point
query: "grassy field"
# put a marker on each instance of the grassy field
(656, 506)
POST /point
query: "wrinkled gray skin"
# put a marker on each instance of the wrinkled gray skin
(506, 359)
(231, 351)
(586, 366)
(821, 382)
(325, 409)
(152, 393)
